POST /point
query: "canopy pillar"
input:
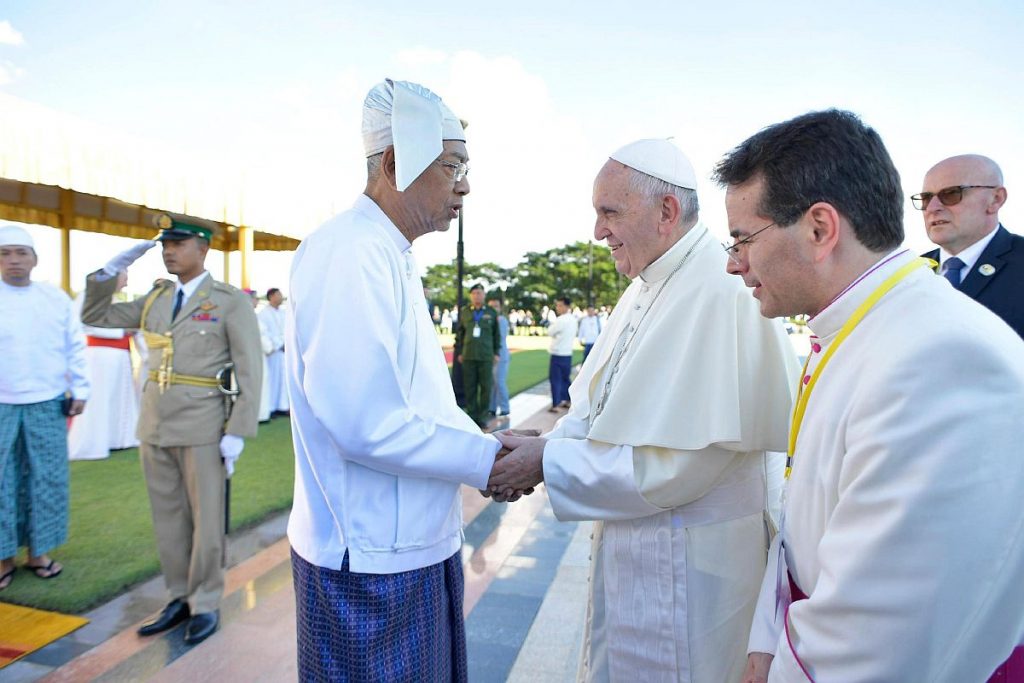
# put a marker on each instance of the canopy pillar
(245, 248)
(67, 213)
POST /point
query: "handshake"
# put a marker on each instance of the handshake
(518, 467)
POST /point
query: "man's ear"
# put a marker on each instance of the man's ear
(997, 201)
(671, 211)
(387, 166)
(823, 224)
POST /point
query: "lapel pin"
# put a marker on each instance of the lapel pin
(986, 269)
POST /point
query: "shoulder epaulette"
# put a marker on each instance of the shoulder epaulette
(225, 287)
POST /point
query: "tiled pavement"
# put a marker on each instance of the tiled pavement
(526, 577)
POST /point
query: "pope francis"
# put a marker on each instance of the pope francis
(668, 444)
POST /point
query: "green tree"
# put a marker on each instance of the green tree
(582, 271)
(566, 271)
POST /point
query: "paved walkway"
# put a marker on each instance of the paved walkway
(526, 577)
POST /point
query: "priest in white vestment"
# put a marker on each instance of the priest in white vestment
(901, 551)
(273, 318)
(113, 413)
(668, 441)
(267, 346)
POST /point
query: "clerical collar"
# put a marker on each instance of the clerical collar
(369, 208)
(832, 317)
(666, 263)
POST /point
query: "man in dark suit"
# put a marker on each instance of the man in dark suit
(961, 198)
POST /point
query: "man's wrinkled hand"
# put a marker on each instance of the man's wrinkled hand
(77, 407)
(522, 432)
(521, 469)
(758, 664)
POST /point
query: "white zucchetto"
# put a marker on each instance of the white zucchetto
(14, 236)
(414, 120)
(659, 158)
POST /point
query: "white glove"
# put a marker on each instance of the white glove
(128, 257)
(231, 449)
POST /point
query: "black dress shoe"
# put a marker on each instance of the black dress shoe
(173, 614)
(200, 627)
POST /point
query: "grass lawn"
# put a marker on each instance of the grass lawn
(527, 368)
(110, 541)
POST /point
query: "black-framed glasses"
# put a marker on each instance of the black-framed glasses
(949, 196)
(461, 169)
(733, 250)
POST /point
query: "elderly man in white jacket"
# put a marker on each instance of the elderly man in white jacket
(902, 545)
(667, 441)
(380, 444)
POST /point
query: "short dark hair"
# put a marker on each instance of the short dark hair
(824, 156)
(272, 291)
(476, 287)
(565, 300)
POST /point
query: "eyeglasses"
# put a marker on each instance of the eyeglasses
(733, 250)
(461, 169)
(949, 196)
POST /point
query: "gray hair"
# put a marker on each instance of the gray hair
(373, 165)
(654, 188)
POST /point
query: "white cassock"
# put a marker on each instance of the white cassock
(267, 345)
(902, 516)
(676, 466)
(274, 321)
(109, 420)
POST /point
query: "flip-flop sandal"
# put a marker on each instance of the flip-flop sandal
(37, 568)
(8, 576)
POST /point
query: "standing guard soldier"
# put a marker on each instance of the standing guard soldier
(479, 339)
(191, 435)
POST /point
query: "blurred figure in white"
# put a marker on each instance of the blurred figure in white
(589, 328)
(267, 347)
(273, 317)
(109, 424)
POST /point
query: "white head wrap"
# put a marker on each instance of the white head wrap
(15, 236)
(661, 159)
(411, 118)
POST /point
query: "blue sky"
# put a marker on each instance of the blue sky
(549, 89)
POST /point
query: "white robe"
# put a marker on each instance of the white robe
(112, 413)
(267, 346)
(677, 469)
(902, 517)
(274, 321)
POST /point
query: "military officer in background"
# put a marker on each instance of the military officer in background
(190, 432)
(479, 338)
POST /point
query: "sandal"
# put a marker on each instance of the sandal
(45, 572)
(7, 578)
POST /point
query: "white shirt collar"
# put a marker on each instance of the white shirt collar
(191, 286)
(969, 255)
(665, 263)
(369, 208)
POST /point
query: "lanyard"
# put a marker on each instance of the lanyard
(804, 391)
(477, 315)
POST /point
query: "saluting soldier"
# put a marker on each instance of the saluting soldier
(191, 433)
(479, 338)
